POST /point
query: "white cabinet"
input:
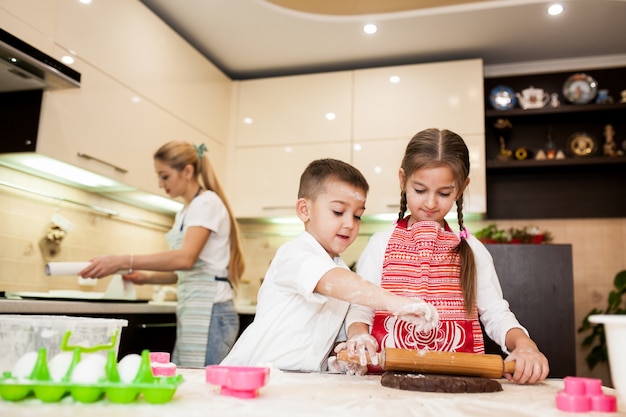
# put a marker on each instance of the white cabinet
(266, 180)
(119, 130)
(375, 120)
(280, 125)
(142, 85)
(399, 101)
(294, 109)
(128, 42)
(379, 161)
(392, 104)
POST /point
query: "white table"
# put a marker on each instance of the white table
(302, 394)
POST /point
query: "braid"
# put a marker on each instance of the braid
(468, 264)
(402, 206)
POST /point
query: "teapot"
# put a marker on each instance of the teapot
(533, 98)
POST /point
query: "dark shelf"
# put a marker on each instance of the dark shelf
(586, 187)
(565, 108)
(568, 162)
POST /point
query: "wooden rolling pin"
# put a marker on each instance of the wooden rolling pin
(434, 362)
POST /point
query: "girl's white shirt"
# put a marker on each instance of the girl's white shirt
(207, 210)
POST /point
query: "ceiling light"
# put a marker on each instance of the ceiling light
(555, 9)
(331, 116)
(248, 120)
(67, 59)
(394, 79)
(370, 28)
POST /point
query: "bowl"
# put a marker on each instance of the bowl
(615, 330)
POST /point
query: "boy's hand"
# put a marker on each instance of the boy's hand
(424, 315)
(360, 345)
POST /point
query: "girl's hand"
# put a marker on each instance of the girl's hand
(103, 266)
(422, 314)
(136, 277)
(531, 366)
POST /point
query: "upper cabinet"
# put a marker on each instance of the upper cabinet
(365, 117)
(107, 128)
(399, 101)
(392, 104)
(294, 110)
(142, 85)
(128, 42)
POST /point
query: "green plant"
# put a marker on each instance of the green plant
(526, 234)
(616, 304)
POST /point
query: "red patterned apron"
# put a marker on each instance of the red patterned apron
(421, 262)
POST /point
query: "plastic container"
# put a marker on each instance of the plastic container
(154, 390)
(20, 334)
(237, 381)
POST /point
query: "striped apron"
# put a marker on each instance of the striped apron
(196, 292)
(421, 262)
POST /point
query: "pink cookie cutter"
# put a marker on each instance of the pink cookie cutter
(584, 394)
(238, 381)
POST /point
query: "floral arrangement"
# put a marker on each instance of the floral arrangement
(527, 234)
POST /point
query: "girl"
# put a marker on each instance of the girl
(422, 257)
(205, 257)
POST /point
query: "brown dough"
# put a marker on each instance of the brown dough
(438, 383)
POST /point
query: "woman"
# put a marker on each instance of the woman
(205, 257)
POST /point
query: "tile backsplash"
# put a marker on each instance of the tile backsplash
(599, 245)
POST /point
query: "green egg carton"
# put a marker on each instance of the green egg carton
(154, 390)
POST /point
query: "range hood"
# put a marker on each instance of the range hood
(24, 67)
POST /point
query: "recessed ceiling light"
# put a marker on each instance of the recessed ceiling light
(394, 79)
(370, 28)
(67, 59)
(555, 9)
(248, 120)
(331, 116)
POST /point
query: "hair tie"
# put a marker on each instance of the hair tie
(200, 150)
(464, 233)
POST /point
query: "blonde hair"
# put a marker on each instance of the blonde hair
(179, 154)
(435, 148)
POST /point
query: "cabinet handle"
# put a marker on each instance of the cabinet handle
(278, 207)
(153, 325)
(115, 167)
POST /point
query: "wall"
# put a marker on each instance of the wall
(25, 219)
(598, 245)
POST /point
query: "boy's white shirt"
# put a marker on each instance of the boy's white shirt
(294, 327)
(493, 309)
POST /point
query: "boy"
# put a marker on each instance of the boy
(304, 304)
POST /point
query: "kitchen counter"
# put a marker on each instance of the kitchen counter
(303, 394)
(96, 307)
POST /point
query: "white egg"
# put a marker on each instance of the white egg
(89, 370)
(59, 365)
(25, 365)
(128, 367)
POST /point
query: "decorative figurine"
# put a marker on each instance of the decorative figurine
(610, 148)
(550, 146)
(554, 100)
(541, 155)
(503, 132)
(604, 97)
